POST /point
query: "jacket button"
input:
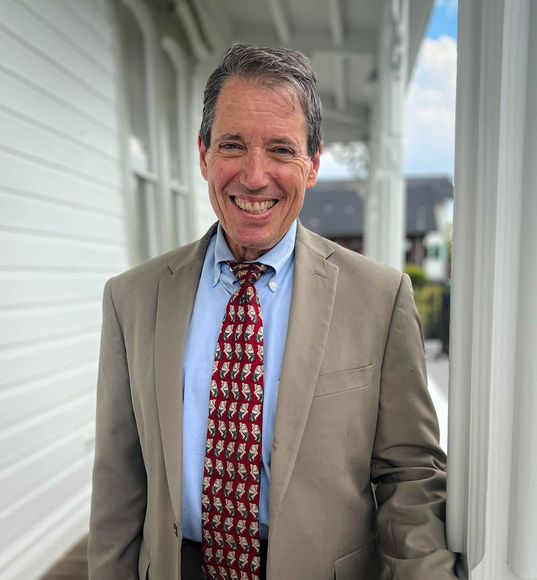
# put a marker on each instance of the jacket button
(175, 530)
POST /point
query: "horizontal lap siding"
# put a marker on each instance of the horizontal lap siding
(23, 291)
(37, 180)
(62, 234)
(31, 326)
(44, 394)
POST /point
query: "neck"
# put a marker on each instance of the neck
(242, 254)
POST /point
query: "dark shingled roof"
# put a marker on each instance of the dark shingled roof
(336, 208)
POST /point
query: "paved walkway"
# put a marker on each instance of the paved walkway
(73, 566)
(438, 375)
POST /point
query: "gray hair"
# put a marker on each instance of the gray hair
(272, 67)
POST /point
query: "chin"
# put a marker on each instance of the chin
(256, 241)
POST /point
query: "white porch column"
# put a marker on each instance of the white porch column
(385, 200)
(492, 502)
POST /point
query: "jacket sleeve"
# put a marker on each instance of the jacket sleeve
(408, 466)
(119, 480)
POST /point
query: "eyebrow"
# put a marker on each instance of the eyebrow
(231, 137)
(275, 141)
(283, 141)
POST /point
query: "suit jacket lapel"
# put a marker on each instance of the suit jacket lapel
(176, 294)
(314, 291)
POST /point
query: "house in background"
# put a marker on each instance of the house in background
(335, 209)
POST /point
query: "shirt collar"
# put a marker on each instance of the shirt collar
(276, 258)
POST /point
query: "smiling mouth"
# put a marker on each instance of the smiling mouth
(256, 208)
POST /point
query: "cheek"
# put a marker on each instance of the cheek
(292, 179)
(221, 173)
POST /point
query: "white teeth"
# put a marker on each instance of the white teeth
(256, 207)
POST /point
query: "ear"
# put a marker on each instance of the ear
(203, 155)
(314, 169)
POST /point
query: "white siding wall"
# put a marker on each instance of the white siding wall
(62, 234)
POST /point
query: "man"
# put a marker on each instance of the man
(296, 439)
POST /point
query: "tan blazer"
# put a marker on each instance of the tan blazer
(353, 409)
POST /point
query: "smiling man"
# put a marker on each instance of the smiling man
(262, 402)
(257, 163)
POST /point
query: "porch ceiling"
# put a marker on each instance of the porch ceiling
(339, 36)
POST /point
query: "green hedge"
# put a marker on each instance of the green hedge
(417, 275)
(429, 303)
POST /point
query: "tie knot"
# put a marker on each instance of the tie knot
(247, 271)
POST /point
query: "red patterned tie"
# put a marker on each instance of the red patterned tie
(232, 472)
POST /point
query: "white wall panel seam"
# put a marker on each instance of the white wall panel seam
(38, 543)
(37, 33)
(67, 310)
(108, 42)
(15, 504)
(58, 167)
(39, 465)
(27, 340)
(33, 434)
(33, 388)
(29, 138)
(17, 523)
(28, 343)
(12, 386)
(41, 197)
(35, 232)
(68, 137)
(85, 384)
(26, 306)
(55, 97)
(52, 344)
(105, 270)
(102, 7)
(47, 416)
(42, 382)
(105, 99)
(72, 40)
(24, 99)
(53, 79)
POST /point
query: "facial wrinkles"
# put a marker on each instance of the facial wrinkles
(255, 118)
(300, 161)
(255, 186)
(276, 187)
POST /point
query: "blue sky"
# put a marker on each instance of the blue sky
(429, 131)
(443, 19)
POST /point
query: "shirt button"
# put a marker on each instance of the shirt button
(273, 285)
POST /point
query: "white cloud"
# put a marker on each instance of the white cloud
(429, 126)
(429, 136)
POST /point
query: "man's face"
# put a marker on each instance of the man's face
(257, 166)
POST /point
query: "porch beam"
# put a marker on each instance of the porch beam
(312, 40)
(281, 24)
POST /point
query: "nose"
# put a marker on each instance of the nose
(254, 171)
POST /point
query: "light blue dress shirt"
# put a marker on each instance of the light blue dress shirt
(216, 285)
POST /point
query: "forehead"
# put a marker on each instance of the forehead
(251, 103)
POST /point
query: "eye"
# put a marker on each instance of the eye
(283, 151)
(229, 147)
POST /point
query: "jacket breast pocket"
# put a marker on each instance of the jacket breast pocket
(342, 381)
(362, 564)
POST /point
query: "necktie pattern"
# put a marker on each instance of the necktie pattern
(232, 470)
